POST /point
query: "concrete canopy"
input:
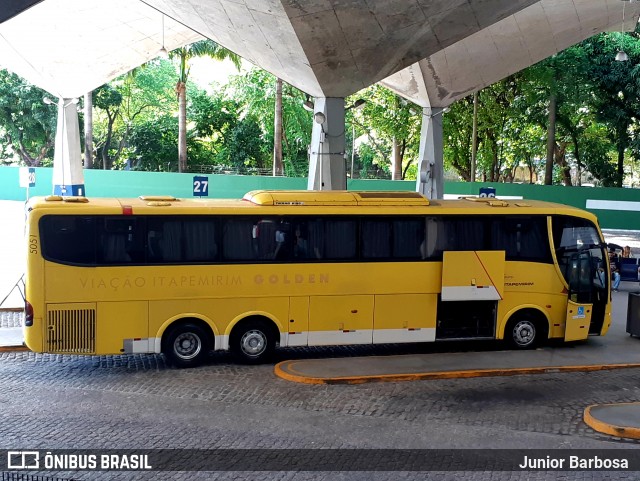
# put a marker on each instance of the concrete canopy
(333, 48)
(444, 49)
(508, 46)
(70, 47)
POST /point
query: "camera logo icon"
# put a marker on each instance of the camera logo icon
(23, 460)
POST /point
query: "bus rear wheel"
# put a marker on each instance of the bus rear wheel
(522, 333)
(186, 345)
(252, 342)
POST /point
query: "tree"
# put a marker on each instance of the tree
(155, 144)
(88, 130)
(255, 94)
(202, 48)
(108, 99)
(277, 127)
(27, 124)
(142, 95)
(392, 126)
(617, 101)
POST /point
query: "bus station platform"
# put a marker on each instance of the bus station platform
(593, 355)
(621, 420)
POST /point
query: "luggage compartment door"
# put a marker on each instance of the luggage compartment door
(472, 275)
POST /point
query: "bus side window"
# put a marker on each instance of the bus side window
(200, 240)
(120, 241)
(340, 239)
(115, 249)
(283, 241)
(465, 233)
(376, 239)
(409, 239)
(237, 236)
(154, 245)
(433, 244)
(521, 238)
(315, 230)
(172, 241)
(69, 239)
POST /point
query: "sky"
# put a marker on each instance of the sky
(205, 70)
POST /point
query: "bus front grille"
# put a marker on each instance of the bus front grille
(71, 331)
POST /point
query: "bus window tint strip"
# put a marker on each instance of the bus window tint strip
(198, 239)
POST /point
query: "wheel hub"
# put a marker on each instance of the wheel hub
(254, 342)
(187, 345)
(523, 333)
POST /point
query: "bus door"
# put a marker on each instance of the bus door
(582, 260)
(583, 277)
(472, 286)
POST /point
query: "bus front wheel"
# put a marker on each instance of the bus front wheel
(186, 345)
(252, 342)
(522, 332)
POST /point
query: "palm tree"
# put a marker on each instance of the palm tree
(277, 125)
(88, 130)
(203, 48)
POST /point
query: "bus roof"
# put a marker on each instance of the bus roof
(307, 202)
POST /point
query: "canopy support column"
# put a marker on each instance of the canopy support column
(68, 177)
(327, 170)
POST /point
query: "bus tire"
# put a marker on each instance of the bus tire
(186, 345)
(523, 332)
(252, 342)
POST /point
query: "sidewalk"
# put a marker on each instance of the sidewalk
(11, 338)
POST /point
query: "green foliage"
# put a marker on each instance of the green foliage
(27, 124)
(245, 145)
(130, 101)
(154, 144)
(598, 104)
(255, 96)
(212, 116)
(383, 117)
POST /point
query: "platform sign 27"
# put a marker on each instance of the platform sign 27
(200, 186)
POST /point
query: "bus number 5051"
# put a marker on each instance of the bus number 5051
(33, 244)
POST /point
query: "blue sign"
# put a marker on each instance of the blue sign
(200, 186)
(487, 191)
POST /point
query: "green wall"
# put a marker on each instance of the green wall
(575, 196)
(112, 183)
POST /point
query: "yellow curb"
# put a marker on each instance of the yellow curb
(611, 429)
(14, 349)
(291, 374)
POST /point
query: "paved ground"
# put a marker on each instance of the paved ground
(54, 402)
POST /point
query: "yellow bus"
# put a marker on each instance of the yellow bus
(307, 268)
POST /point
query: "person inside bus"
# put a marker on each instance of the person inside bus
(615, 278)
(626, 252)
(281, 237)
(300, 245)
